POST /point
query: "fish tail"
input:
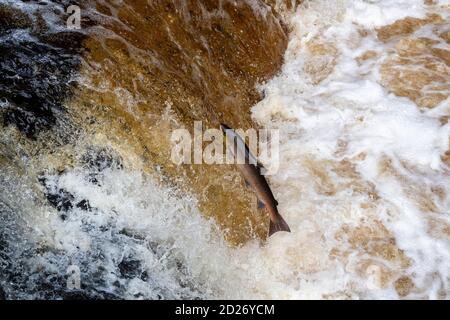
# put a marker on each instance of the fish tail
(278, 225)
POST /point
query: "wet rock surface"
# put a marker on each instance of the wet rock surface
(419, 66)
(12, 18)
(130, 268)
(203, 65)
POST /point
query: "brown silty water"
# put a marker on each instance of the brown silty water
(145, 69)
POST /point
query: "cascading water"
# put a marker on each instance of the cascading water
(88, 188)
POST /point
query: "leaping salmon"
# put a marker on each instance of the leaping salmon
(251, 170)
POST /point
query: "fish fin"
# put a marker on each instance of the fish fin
(276, 203)
(261, 204)
(278, 225)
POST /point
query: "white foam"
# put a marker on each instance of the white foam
(383, 12)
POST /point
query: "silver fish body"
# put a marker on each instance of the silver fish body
(251, 170)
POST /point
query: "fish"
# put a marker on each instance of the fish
(251, 170)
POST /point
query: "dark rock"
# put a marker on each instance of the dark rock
(67, 40)
(130, 268)
(62, 200)
(12, 18)
(97, 160)
(144, 276)
(100, 159)
(84, 205)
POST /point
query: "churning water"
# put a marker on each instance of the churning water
(363, 178)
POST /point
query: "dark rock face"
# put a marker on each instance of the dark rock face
(130, 268)
(97, 160)
(35, 75)
(62, 200)
(12, 18)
